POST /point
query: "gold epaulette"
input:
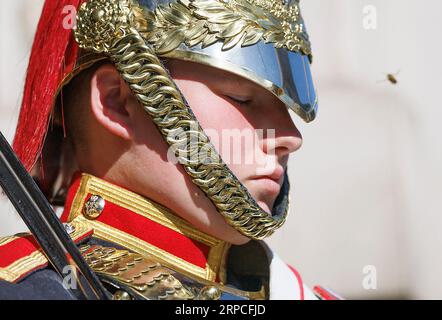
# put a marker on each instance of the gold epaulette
(136, 276)
(142, 277)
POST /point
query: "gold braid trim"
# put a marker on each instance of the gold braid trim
(106, 27)
(22, 266)
(154, 212)
(26, 264)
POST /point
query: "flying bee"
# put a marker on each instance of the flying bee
(391, 77)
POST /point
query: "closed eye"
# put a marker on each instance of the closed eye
(239, 99)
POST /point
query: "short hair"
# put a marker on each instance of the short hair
(73, 107)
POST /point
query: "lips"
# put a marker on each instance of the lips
(275, 175)
(270, 182)
(270, 186)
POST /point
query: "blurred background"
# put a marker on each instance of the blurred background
(367, 187)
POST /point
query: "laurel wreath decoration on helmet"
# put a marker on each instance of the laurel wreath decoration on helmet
(234, 22)
(125, 33)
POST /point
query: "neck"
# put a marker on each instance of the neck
(145, 227)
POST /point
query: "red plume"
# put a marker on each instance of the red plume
(53, 56)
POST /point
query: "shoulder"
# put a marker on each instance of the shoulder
(20, 255)
(25, 272)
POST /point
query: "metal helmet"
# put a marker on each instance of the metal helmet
(263, 41)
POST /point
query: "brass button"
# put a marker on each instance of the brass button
(210, 293)
(94, 207)
(121, 295)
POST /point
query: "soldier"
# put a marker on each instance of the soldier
(115, 125)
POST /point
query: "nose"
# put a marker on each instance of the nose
(286, 144)
(284, 141)
(285, 138)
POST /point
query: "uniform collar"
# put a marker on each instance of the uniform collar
(145, 227)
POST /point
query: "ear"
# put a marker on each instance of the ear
(110, 98)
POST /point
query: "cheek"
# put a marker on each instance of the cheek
(228, 129)
(212, 111)
(151, 170)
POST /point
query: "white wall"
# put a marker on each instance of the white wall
(366, 185)
(18, 23)
(367, 182)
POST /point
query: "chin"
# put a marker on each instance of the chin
(264, 206)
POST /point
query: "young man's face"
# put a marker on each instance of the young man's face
(251, 129)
